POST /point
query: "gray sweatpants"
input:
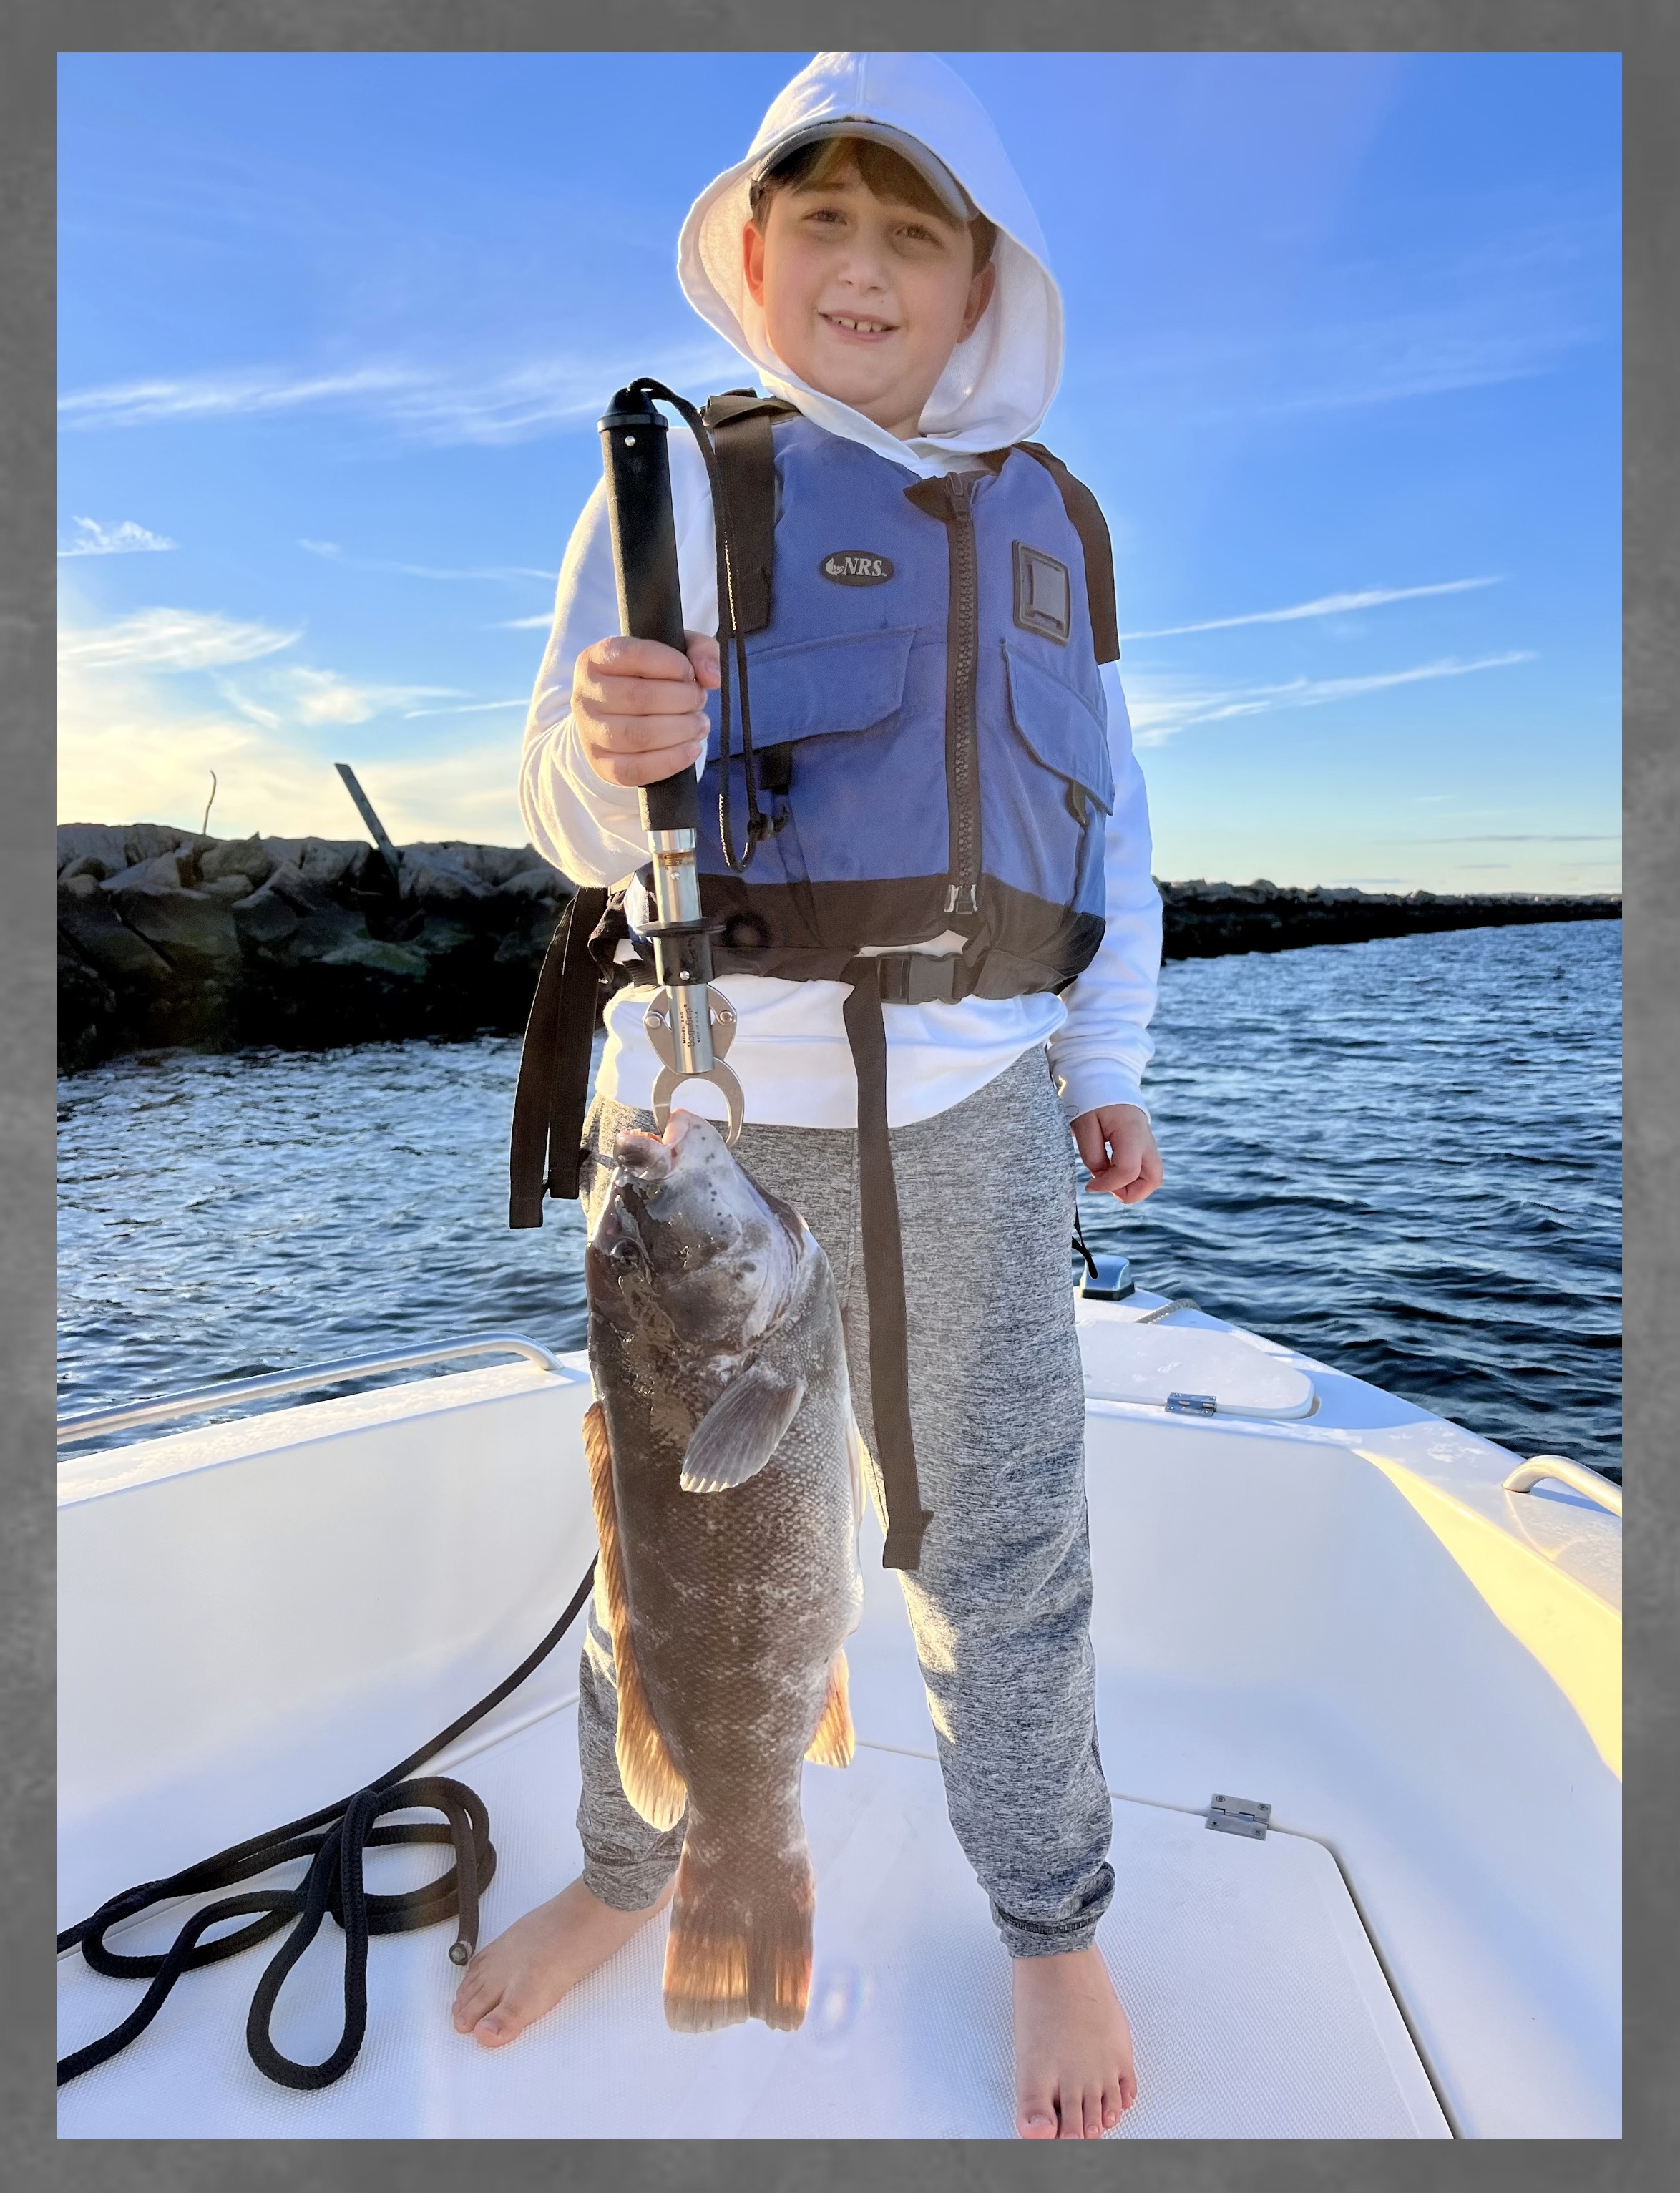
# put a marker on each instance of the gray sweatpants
(1000, 1605)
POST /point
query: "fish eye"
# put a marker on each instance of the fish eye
(624, 1253)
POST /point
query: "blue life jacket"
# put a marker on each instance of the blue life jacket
(927, 717)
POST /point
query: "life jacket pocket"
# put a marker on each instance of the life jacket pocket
(1048, 789)
(855, 784)
(807, 688)
(1060, 727)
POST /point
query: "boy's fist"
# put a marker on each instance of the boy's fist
(1115, 1142)
(638, 706)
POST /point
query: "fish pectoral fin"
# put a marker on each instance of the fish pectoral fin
(646, 1767)
(740, 1431)
(835, 1739)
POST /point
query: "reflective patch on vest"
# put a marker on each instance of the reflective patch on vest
(856, 567)
(1043, 601)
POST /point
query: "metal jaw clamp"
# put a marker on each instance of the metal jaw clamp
(690, 1023)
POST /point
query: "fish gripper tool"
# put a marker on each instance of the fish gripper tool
(690, 1022)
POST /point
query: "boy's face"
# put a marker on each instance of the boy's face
(864, 298)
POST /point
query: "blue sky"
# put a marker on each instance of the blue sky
(1342, 368)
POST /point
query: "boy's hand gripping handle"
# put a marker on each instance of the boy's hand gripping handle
(689, 1024)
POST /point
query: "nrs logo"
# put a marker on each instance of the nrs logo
(856, 567)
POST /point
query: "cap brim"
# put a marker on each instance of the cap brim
(934, 171)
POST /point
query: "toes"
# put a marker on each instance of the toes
(1093, 2114)
(473, 1999)
(505, 2019)
(1035, 2117)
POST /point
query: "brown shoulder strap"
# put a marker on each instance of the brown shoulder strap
(1085, 514)
(740, 420)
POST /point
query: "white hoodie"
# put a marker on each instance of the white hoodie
(790, 1050)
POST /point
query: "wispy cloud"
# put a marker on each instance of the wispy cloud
(229, 395)
(1325, 605)
(1495, 316)
(1161, 709)
(125, 538)
(296, 695)
(472, 708)
(430, 402)
(169, 639)
(331, 553)
(526, 624)
(148, 706)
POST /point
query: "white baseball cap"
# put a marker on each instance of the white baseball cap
(928, 163)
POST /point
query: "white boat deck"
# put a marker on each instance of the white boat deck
(1258, 2008)
(1273, 1622)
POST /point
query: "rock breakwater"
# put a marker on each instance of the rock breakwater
(169, 937)
(1201, 921)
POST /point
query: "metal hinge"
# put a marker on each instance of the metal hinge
(1193, 1405)
(1240, 1816)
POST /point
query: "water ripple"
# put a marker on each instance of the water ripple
(1403, 1157)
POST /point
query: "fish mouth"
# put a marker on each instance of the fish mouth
(648, 1159)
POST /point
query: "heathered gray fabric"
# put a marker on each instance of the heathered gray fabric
(1000, 1606)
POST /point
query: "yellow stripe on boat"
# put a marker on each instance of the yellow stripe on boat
(1571, 1632)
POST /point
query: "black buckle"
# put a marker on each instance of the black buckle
(922, 978)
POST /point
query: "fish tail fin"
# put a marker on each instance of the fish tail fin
(645, 1768)
(835, 1740)
(736, 1953)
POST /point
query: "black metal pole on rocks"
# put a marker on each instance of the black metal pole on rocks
(392, 858)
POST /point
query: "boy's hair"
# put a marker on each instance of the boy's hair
(883, 172)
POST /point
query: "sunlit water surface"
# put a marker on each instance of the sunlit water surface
(1403, 1157)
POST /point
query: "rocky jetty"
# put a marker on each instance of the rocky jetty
(167, 937)
(1201, 921)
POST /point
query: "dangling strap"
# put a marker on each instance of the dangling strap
(884, 1272)
(740, 423)
(554, 1087)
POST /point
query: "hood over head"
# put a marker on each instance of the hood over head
(998, 384)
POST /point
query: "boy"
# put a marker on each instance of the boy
(876, 258)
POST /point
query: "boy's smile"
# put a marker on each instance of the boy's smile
(864, 298)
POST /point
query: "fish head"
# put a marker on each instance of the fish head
(687, 1246)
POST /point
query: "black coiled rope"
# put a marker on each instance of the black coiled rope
(335, 1840)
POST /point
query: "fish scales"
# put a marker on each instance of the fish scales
(723, 1465)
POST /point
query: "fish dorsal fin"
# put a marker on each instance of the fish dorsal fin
(646, 1767)
(835, 1739)
(740, 1430)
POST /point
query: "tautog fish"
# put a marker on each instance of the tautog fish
(724, 1468)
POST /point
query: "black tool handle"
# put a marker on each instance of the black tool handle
(645, 564)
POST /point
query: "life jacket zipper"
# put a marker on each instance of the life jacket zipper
(962, 757)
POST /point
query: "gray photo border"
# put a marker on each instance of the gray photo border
(1647, 35)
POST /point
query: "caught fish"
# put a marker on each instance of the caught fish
(724, 1467)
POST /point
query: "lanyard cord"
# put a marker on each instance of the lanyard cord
(333, 1839)
(729, 637)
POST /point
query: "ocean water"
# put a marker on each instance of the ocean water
(1403, 1157)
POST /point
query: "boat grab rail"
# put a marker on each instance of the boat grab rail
(90, 1424)
(1587, 1482)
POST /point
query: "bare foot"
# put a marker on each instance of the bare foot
(522, 1974)
(1072, 2048)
